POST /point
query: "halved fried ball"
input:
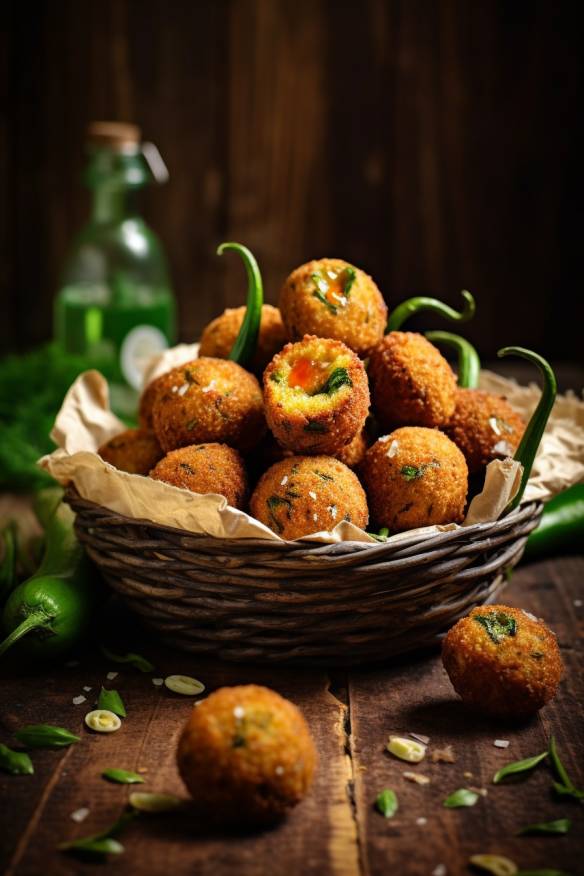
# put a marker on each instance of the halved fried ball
(316, 395)
(205, 468)
(412, 384)
(220, 335)
(135, 451)
(246, 755)
(415, 477)
(503, 661)
(305, 494)
(484, 426)
(208, 400)
(332, 299)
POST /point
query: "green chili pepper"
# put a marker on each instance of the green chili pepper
(416, 305)
(53, 607)
(561, 528)
(9, 549)
(17, 763)
(469, 364)
(529, 444)
(246, 341)
(45, 736)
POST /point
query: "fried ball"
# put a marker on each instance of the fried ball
(484, 426)
(503, 661)
(135, 451)
(412, 384)
(316, 395)
(332, 299)
(205, 468)
(219, 336)
(208, 400)
(353, 453)
(305, 494)
(415, 477)
(246, 754)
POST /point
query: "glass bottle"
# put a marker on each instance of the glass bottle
(115, 305)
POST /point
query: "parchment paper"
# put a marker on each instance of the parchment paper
(85, 422)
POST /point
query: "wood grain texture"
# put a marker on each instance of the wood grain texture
(436, 145)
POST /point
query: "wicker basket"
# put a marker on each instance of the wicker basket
(292, 602)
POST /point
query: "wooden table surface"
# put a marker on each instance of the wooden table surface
(335, 830)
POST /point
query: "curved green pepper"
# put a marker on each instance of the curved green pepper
(54, 607)
(561, 528)
(246, 341)
(529, 444)
(469, 364)
(416, 305)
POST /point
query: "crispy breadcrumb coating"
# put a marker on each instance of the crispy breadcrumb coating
(246, 755)
(205, 468)
(220, 335)
(135, 451)
(503, 661)
(484, 426)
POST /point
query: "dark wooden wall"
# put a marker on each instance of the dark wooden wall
(435, 144)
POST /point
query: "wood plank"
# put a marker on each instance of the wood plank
(415, 695)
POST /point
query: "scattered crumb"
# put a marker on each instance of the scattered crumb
(157, 682)
(86, 689)
(111, 675)
(80, 814)
(78, 700)
(467, 775)
(418, 778)
(501, 743)
(443, 755)
(421, 820)
(420, 737)
(440, 870)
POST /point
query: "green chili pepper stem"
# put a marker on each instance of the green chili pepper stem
(529, 444)
(246, 341)
(469, 364)
(32, 622)
(415, 305)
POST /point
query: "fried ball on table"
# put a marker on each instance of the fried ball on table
(208, 400)
(332, 299)
(306, 494)
(412, 384)
(220, 335)
(135, 451)
(484, 426)
(503, 661)
(205, 468)
(246, 755)
(415, 477)
(316, 396)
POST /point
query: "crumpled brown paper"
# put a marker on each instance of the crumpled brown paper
(85, 422)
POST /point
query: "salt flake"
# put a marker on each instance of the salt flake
(312, 494)
(78, 700)
(80, 814)
(284, 481)
(501, 743)
(157, 682)
(111, 675)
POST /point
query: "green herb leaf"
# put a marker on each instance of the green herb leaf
(498, 625)
(320, 292)
(135, 660)
(276, 377)
(94, 846)
(17, 763)
(350, 277)
(413, 472)
(547, 828)
(462, 797)
(315, 426)
(145, 802)
(386, 803)
(122, 777)
(45, 736)
(337, 378)
(518, 766)
(323, 476)
(565, 787)
(112, 701)
(275, 502)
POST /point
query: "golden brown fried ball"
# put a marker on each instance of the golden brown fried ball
(415, 477)
(352, 454)
(503, 661)
(316, 395)
(412, 384)
(208, 400)
(220, 335)
(246, 755)
(484, 426)
(146, 405)
(305, 494)
(135, 451)
(332, 299)
(205, 468)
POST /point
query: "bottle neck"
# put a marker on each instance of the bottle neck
(113, 204)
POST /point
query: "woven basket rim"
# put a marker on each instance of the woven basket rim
(430, 540)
